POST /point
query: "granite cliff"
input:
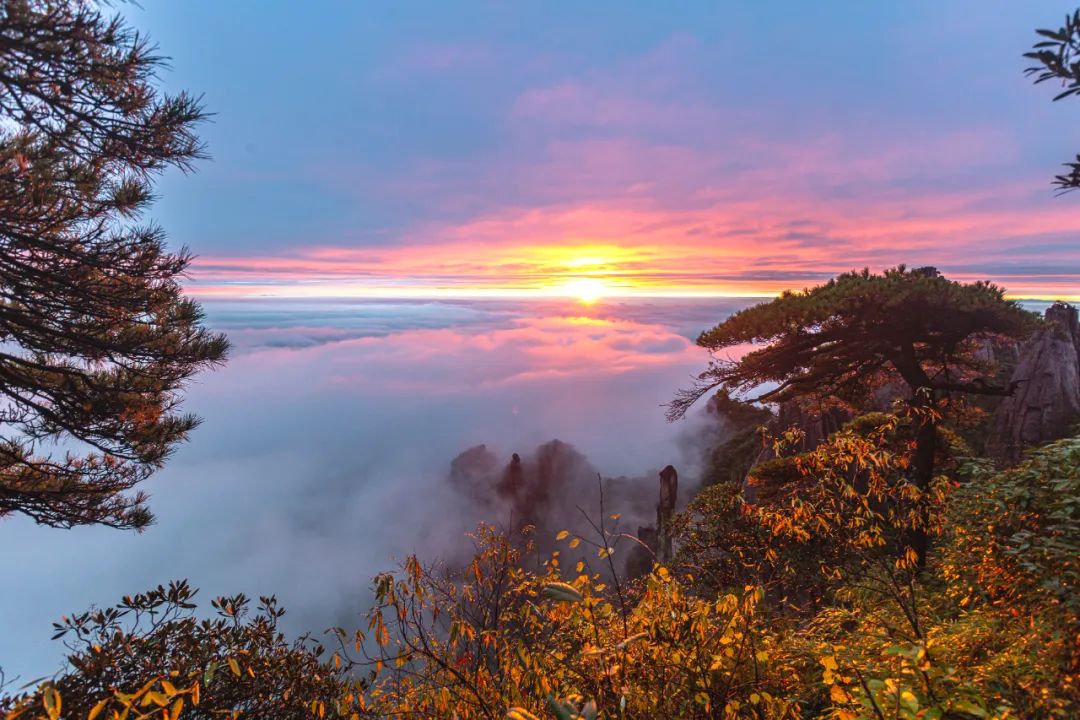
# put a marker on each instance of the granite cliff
(1046, 402)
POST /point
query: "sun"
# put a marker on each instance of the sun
(587, 290)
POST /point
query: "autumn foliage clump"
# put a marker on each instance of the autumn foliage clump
(497, 639)
(152, 656)
(820, 609)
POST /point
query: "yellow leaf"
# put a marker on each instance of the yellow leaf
(563, 534)
(156, 698)
(234, 666)
(53, 703)
(574, 543)
(837, 694)
(96, 710)
(520, 714)
(829, 662)
(176, 708)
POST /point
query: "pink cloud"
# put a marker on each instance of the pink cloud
(675, 194)
(739, 244)
(531, 349)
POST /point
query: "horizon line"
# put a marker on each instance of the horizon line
(221, 293)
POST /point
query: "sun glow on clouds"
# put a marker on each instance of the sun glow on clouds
(652, 168)
(743, 214)
(584, 272)
(637, 218)
(588, 290)
(662, 254)
(718, 204)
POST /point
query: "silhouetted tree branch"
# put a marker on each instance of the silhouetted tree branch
(1058, 58)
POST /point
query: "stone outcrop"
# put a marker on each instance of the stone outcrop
(1046, 402)
(665, 511)
(816, 424)
(471, 473)
(642, 555)
(538, 489)
(655, 543)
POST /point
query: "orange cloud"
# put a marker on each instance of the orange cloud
(741, 248)
(619, 215)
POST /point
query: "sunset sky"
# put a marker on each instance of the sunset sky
(599, 149)
(402, 196)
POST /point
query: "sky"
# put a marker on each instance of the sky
(553, 148)
(430, 226)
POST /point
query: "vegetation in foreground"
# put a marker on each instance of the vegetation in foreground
(807, 605)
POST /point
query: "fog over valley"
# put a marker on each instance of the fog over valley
(328, 438)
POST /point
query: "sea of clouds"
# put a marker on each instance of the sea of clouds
(327, 441)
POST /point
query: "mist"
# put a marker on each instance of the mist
(328, 441)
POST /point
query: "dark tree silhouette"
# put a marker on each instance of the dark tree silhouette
(1058, 58)
(859, 331)
(96, 337)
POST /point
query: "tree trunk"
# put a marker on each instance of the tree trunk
(922, 466)
(923, 472)
(665, 509)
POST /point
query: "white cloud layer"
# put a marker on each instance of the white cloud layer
(328, 439)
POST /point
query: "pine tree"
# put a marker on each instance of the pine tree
(860, 331)
(96, 337)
